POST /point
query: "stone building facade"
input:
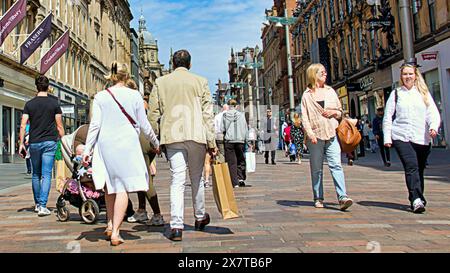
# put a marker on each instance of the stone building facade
(361, 47)
(99, 34)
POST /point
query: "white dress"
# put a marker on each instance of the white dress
(117, 159)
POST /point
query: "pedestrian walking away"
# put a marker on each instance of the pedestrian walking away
(321, 108)
(297, 136)
(118, 114)
(377, 124)
(411, 121)
(182, 102)
(151, 196)
(45, 116)
(235, 137)
(219, 134)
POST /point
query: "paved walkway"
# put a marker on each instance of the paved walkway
(277, 215)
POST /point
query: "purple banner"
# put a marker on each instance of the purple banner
(11, 18)
(57, 50)
(36, 38)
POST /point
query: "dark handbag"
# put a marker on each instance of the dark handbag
(130, 119)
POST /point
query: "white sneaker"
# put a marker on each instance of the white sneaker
(345, 203)
(43, 211)
(157, 220)
(36, 208)
(318, 204)
(138, 217)
(418, 206)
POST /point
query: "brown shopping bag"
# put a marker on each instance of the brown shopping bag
(223, 191)
(62, 174)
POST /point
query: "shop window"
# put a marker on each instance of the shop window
(432, 11)
(18, 120)
(6, 131)
(432, 81)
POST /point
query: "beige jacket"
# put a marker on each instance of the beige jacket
(314, 123)
(181, 102)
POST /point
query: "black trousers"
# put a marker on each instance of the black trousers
(272, 155)
(234, 156)
(414, 158)
(384, 151)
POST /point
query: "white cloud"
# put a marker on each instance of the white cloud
(208, 29)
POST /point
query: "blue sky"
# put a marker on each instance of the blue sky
(206, 28)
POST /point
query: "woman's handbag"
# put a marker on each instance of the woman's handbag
(223, 191)
(348, 135)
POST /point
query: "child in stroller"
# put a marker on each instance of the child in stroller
(292, 152)
(79, 191)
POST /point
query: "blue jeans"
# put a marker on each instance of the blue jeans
(42, 158)
(332, 151)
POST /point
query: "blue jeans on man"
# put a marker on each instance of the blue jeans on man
(42, 159)
(332, 151)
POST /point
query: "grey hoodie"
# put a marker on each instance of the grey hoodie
(234, 126)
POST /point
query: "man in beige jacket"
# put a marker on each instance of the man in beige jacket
(182, 114)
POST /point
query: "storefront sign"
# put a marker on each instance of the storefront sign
(429, 55)
(68, 109)
(366, 82)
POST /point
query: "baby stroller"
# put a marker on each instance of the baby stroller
(79, 191)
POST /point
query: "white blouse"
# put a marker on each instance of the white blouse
(414, 119)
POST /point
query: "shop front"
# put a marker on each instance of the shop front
(74, 106)
(16, 88)
(370, 93)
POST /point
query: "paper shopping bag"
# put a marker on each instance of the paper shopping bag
(250, 162)
(223, 191)
(62, 174)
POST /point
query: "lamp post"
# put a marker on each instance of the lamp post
(252, 63)
(287, 21)
(407, 36)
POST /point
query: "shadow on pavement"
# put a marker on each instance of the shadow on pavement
(384, 205)
(288, 203)
(97, 235)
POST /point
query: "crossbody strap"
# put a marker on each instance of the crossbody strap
(130, 119)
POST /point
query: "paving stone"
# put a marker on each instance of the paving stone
(278, 218)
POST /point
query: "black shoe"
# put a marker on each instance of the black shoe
(387, 164)
(200, 225)
(241, 183)
(176, 234)
(28, 172)
(273, 163)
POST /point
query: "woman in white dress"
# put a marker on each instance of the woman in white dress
(118, 165)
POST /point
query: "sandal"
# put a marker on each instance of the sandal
(116, 242)
(108, 233)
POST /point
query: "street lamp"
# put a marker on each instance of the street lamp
(286, 21)
(252, 63)
(407, 36)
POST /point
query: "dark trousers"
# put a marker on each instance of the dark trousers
(272, 155)
(384, 151)
(234, 156)
(414, 158)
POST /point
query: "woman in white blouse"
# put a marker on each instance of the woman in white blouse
(411, 120)
(118, 165)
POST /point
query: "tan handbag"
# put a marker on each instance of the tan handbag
(223, 191)
(348, 134)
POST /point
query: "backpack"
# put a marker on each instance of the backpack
(348, 135)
